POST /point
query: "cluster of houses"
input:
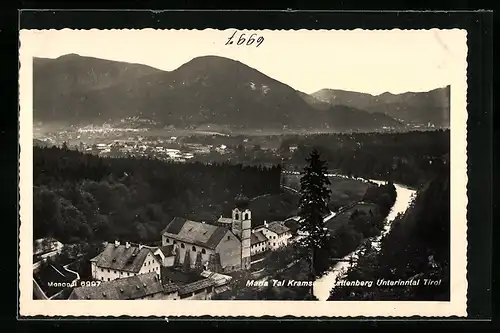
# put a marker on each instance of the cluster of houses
(194, 261)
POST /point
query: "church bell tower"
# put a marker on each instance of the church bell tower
(242, 228)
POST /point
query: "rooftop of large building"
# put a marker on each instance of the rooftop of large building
(277, 227)
(201, 234)
(123, 257)
(133, 287)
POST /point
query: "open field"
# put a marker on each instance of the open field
(344, 216)
(344, 190)
(274, 207)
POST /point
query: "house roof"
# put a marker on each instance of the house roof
(194, 286)
(201, 234)
(170, 288)
(277, 227)
(122, 289)
(220, 279)
(257, 237)
(122, 258)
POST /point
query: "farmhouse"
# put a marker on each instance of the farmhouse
(259, 242)
(124, 260)
(277, 234)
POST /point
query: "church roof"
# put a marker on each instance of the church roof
(191, 232)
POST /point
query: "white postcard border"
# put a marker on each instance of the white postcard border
(171, 308)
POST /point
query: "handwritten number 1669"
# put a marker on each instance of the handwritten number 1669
(242, 40)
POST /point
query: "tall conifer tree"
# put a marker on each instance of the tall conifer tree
(313, 206)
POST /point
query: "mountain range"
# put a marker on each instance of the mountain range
(214, 90)
(432, 107)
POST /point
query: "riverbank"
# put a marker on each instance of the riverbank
(325, 284)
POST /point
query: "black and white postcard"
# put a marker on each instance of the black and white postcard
(243, 172)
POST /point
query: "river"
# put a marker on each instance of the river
(325, 284)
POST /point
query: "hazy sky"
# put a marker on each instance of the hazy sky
(359, 60)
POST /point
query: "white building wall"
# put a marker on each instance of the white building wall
(151, 264)
(258, 248)
(169, 261)
(271, 236)
(283, 239)
(275, 241)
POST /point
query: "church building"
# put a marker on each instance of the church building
(216, 248)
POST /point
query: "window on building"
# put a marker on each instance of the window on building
(228, 237)
(175, 242)
(237, 216)
(246, 216)
(108, 270)
(167, 240)
(102, 270)
(182, 245)
(109, 279)
(194, 248)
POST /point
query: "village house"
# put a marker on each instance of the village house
(209, 246)
(221, 281)
(124, 260)
(193, 285)
(259, 242)
(277, 234)
(166, 254)
(146, 286)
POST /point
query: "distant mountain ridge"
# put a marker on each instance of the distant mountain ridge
(431, 107)
(205, 90)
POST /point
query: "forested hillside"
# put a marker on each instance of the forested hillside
(81, 197)
(412, 158)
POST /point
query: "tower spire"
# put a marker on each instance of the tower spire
(241, 201)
